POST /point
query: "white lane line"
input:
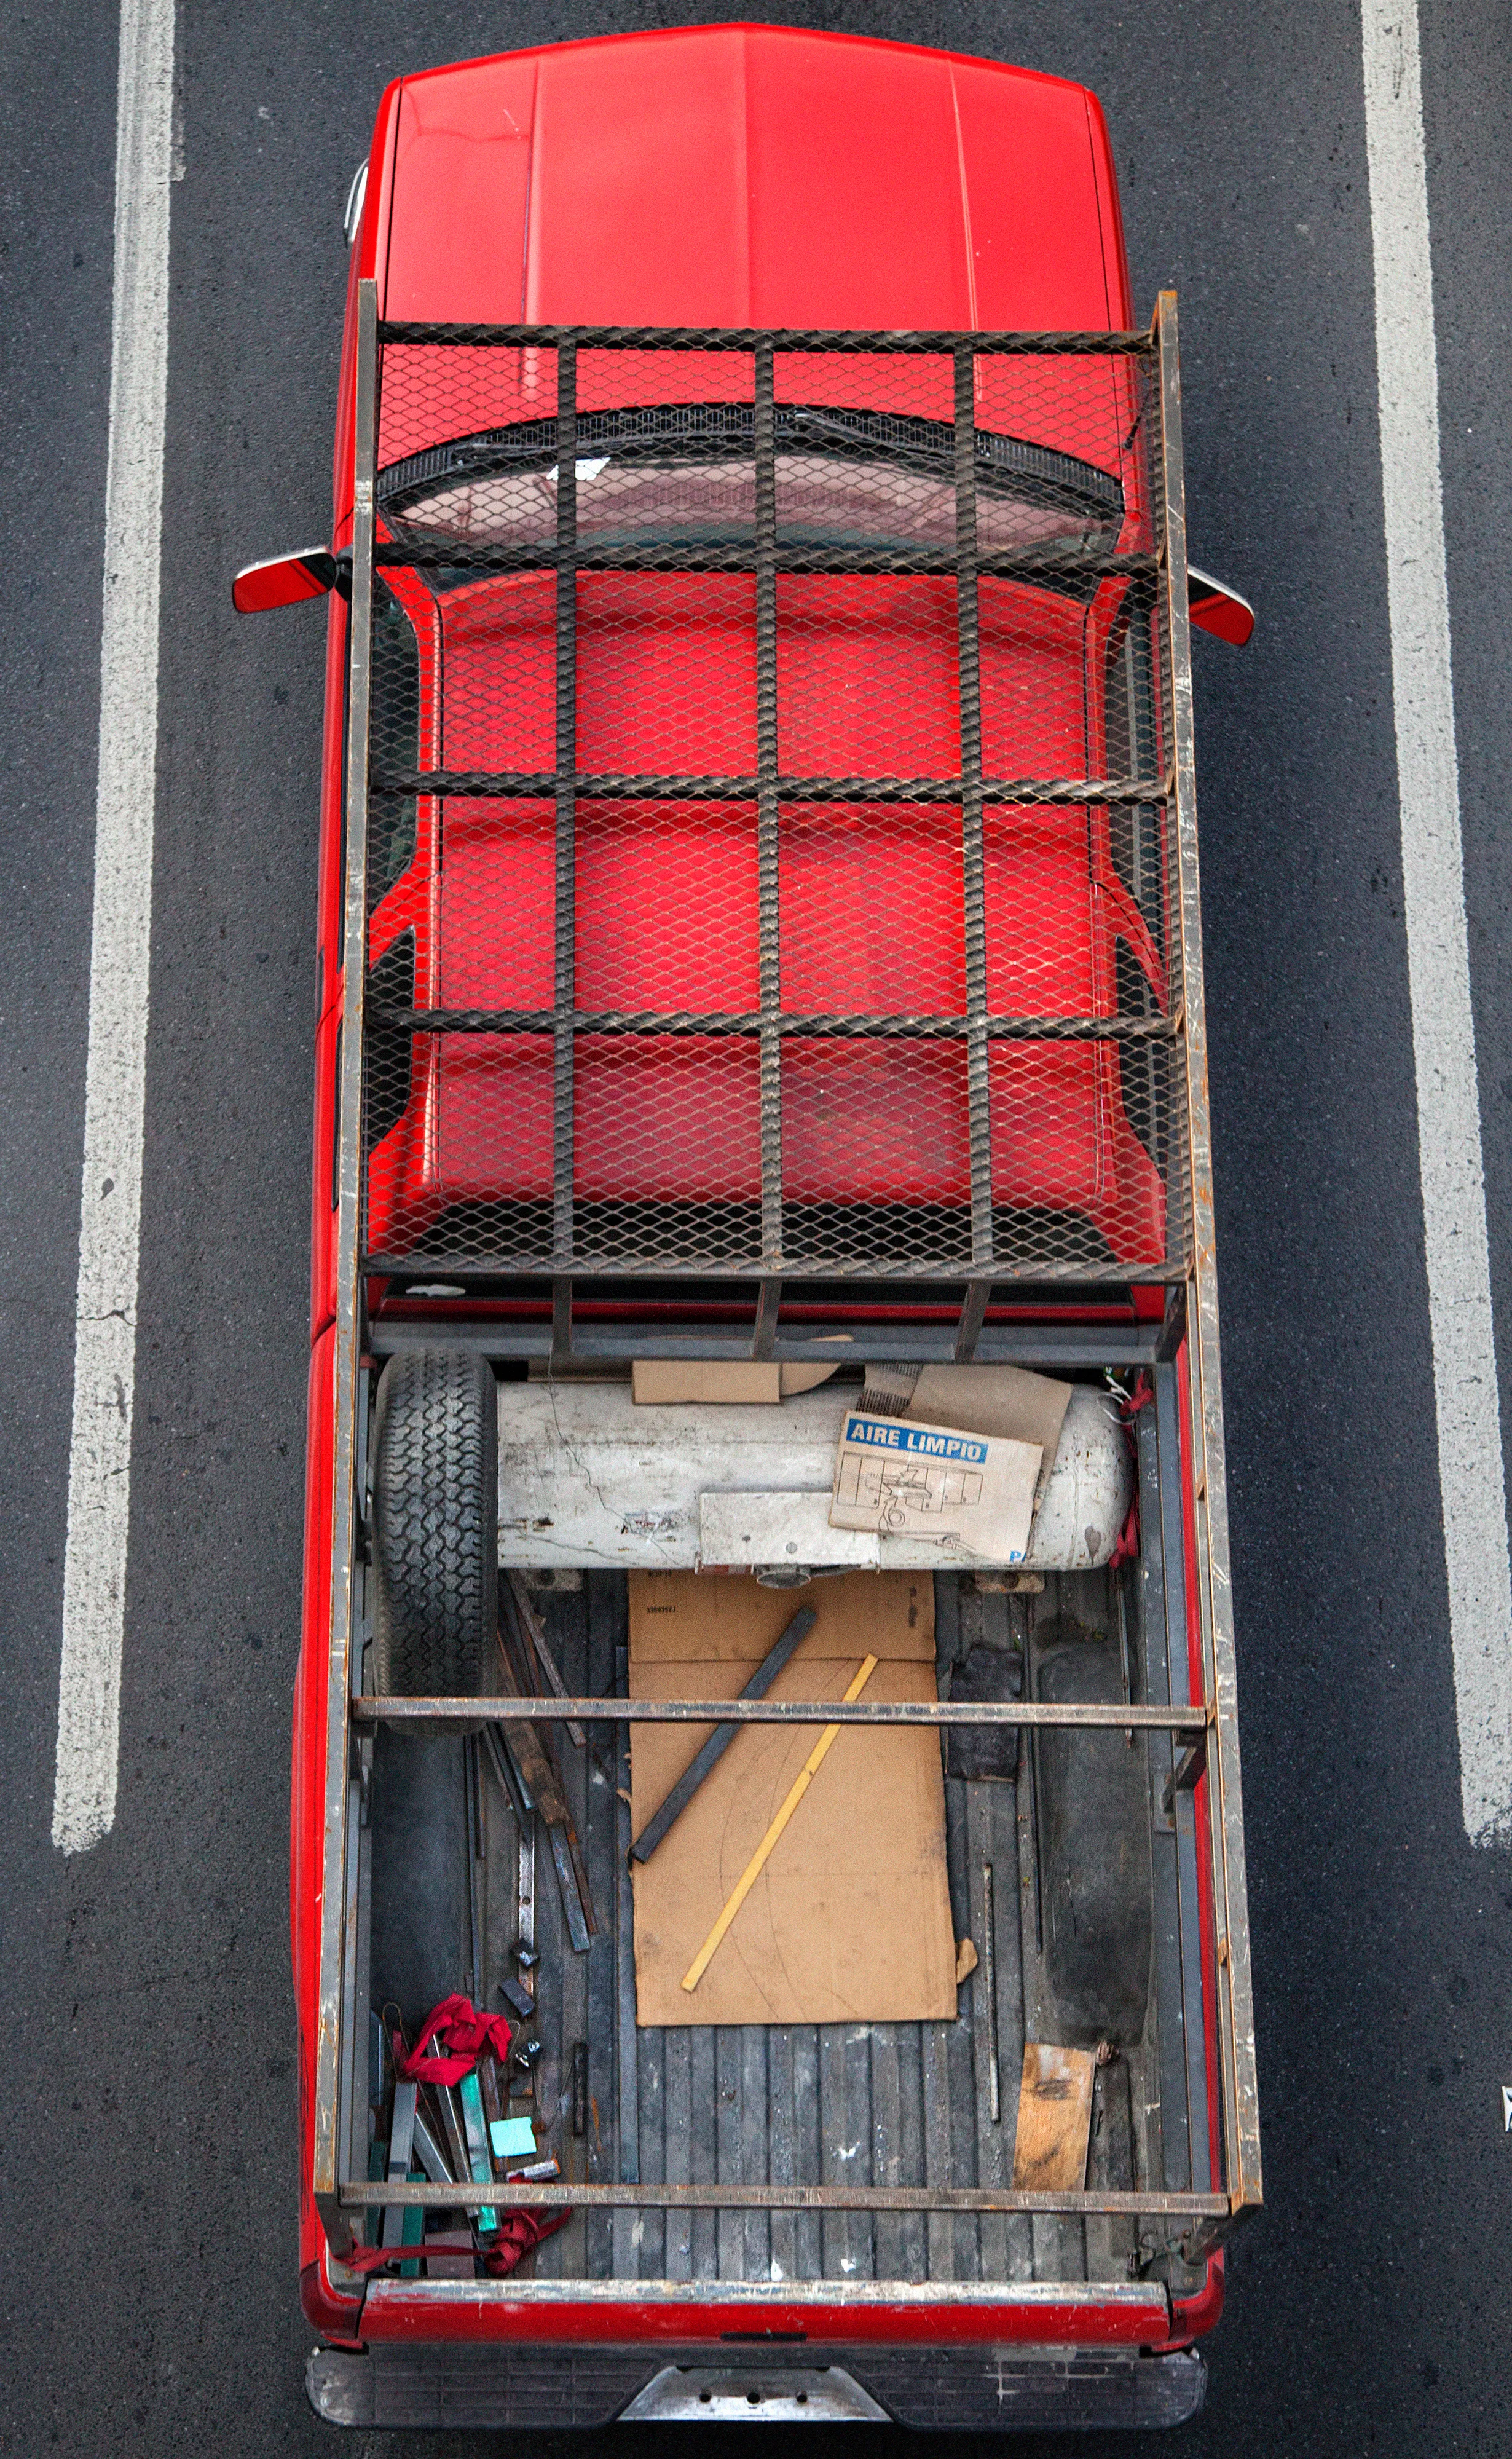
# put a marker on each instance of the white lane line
(105, 1339)
(1470, 1468)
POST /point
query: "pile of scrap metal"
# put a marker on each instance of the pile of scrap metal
(442, 2116)
(525, 1762)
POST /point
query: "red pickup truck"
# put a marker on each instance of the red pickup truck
(759, 928)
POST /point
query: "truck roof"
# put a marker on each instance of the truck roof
(948, 191)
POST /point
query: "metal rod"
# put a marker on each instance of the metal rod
(650, 786)
(535, 1633)
(752, 1022)
(768, 813)
(744, 338)
(978, 1114)
(1232, 1974)
(663, 1818)
(627, 1262)
(388, 1709)
(1062, 1347)
(973, 1315)
(989, 1986)
(361, 2195)
(565, 791)
(474, 1842)
(764, 1332)
(1051, 561)
(348, 1289)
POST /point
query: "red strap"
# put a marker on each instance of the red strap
(519, 2234)
(461, 2030)
(1128, 1544)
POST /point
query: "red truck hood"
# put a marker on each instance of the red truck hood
(750, 176)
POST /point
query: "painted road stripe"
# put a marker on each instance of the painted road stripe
(105, 1339)
(1470, 1469)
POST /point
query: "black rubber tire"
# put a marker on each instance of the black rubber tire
(436, 1524)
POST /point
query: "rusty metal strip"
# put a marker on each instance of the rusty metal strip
(565, 984)
(1236, 2005)
(755, 1020)
(725, 337)
(1048, 562)
(541, 785)
(767, 815)
(327, 2165)
(706, 2197)
(973, 905)
(385, 1708)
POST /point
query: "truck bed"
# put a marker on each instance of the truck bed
(883, 2104)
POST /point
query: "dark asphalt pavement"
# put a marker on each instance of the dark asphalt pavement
(150, 2296)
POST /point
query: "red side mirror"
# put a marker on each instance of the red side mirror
(1215, 609)
(284, 580)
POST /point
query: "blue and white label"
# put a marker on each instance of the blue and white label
(928, 1442)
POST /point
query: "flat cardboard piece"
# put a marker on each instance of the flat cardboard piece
(662, 1381)
(1055, 2119)
(850, 1921)
(995, 1400)
(910, 1479)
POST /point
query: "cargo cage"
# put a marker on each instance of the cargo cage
(561, 1275)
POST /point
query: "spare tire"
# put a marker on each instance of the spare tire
(436, 1524)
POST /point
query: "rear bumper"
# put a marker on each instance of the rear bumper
(1009, 2389)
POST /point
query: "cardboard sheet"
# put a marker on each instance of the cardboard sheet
(907, 1480)
(850, 1919)
(660, 1380)
(1005, 1400)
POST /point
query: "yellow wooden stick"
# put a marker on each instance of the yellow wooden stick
(759, 1858)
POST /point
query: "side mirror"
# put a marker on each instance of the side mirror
(288, 580)
(1218, 610)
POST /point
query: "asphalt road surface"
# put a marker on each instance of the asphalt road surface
(148, 2149)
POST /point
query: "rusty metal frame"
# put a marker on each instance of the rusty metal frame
(776, 1244)
(1231, 1970)
(341, 2195)
(338, 1907)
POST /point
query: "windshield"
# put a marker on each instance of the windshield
(685, 475)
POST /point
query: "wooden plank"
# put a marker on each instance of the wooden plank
(704, 2135)
(782, 2147)
(609, 1811)
(807, 2109)
(1055, 2119)
(677, 2141)
(729, 2146)
(754, 2146)
(606, 1625)
(957, 2036)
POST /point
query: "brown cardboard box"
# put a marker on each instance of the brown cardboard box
(850, 1919)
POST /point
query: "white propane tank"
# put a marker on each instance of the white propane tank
(588, 1480)
(1091, 1488)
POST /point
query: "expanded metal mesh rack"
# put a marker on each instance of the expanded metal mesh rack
(782, 863)
(770, 862)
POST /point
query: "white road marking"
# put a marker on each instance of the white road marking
(1470, 1467)
(105, 1339)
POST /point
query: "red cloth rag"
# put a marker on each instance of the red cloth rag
(463, 2034)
